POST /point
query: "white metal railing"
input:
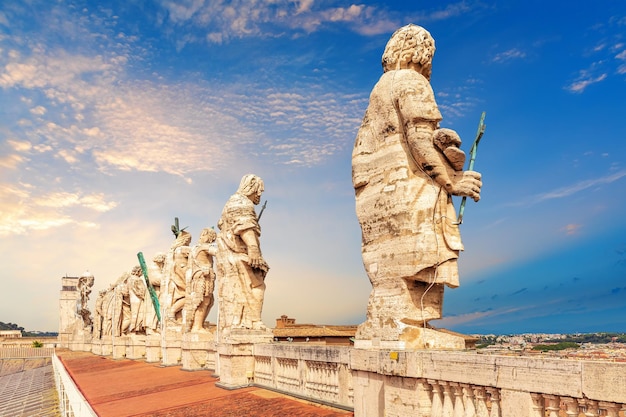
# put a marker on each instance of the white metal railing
(71, 400)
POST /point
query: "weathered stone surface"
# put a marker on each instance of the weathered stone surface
(241, 266)
(197, 351)
(200, 282)
(136, 346)
(604, 381)
(403, 183)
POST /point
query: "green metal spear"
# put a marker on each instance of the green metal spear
(151, 290)
(473, 150)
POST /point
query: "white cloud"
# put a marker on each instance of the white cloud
(39, 110)
(23, 208)
(584, 81)
(572, 189)
(246, 18)
(572, 229)
(509, 55)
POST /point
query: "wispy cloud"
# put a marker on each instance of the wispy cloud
(24, 208)
(572, 229)
(570, 190)
(246, 18)
(456, 320)
(584, 80)
(509, 55)
(95, 113)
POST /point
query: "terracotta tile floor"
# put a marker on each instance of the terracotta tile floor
(117, 388)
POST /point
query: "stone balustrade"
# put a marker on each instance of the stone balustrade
(319, 373)
(465, 384)
(435, 383)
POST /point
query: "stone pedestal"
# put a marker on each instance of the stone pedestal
(198, 351)
(96, 346)
(153, 348)
(236, 356)
(80, 341)
(107, 345)
(171, 347)
(136, 346)
(416, 338)
(119, 347)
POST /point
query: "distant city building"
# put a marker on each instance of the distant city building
(10, 334)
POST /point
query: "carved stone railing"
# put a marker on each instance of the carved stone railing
(465, 384)
(430, 383)
(317, 373)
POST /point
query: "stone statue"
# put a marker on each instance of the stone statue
(155, 275)
(85, 282)
(137, 290)
(200, 282)
(404, 171)
(175, 271)
(98, 315)
(241, 267)
(116, 307)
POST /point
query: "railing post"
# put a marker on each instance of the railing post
(481, 402)
(468, 401)
(495, 402)
(538, 408)
(612, 409)
(448, 406)
(437, 401)
(553, 407)
(457, 391)
(571, 406)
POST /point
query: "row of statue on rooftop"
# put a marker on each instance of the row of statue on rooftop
(183, 278)
(405, 170)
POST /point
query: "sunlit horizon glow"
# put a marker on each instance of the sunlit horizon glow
(118, 116)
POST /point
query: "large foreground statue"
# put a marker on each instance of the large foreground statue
(404, 171)
(240, 265)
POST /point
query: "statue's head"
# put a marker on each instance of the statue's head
(137, 271)
(159, 258)
(411, 45)
(207, 235)
(252, 187)
(183, 239)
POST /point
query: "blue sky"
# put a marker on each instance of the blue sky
(117, 116)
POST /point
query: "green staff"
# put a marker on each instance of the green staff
(151, 290)
(473, 150)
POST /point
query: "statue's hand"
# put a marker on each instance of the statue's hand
(466, 183)
(254, 257)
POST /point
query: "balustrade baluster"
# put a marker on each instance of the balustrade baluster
(437, 399)
(457, 391)
(609, 409)
(571, 406)
(448, 406)
(553, 405)
(591, 407)
(481, 402)
(468, 401)
(495, 402)
(538, 406)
